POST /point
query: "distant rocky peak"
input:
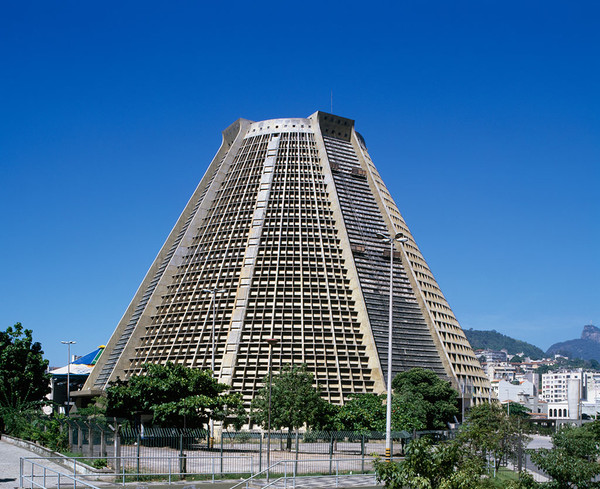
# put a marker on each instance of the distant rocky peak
(591, 332)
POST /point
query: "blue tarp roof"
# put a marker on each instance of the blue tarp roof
(91, 358)
(82, 366)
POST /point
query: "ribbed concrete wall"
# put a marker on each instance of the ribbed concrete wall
(284, 223)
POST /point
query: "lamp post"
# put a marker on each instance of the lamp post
(213, 292)
(68, 343)
(271, 342)
(388, 412)
(462, 402)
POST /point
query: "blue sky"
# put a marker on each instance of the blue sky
(483, 118)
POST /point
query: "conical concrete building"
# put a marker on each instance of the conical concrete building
(282, 232)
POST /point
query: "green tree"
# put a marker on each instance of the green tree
(426, 398)
(49, 432)
(362, 413)
(409, 412)
(24, 382)
(94, 411)
(517, 409)
(490, 430)
(295, 402)
(426, 466)
(594, 428)
(176, 396)
(327, 418)
(367, 412)
(573, 461)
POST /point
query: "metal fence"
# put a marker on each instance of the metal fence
(332, 472)
(247, 453)
(173, 453)
(36, 473)
(175, 450)
(124, 454)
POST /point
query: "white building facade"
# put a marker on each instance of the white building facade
(571, 393)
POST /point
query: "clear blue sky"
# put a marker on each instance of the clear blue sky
(483, 118)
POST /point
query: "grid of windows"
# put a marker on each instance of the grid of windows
(300, 291)
(412, 345)
(181, 327)
(112, 357)
(464, 363)
(261, 228)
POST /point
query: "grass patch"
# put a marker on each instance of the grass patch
(131, 477)
(504, 475)
(97, 463)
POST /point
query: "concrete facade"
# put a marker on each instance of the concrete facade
(285, 223)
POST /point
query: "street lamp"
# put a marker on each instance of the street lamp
(212, 307)
(462, 402)
(271, 342)
(68, 343)
(388, 414)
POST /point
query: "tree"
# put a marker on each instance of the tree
(519, 410)
(24, 382)
(572, 462)
(426, 398)
(367, 412)
(409, 412)
(176, 396)
(426, 466)
(295, 402)
(594, 428)
(95, 410)
(362, 413)
(490, 430)
(327, 417)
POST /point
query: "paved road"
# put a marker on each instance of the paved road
(539, 441)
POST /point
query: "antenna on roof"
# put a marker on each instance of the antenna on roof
(331, 102)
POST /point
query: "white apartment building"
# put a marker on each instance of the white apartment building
(522, 392)
(571, 393)
(555, 384)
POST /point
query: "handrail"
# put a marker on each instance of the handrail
(31, 478)
(287, 476)
(274, 482)
(254, 476)
(281, 470)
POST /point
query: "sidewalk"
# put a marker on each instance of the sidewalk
(10, 456)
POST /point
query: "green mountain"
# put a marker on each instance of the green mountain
(493, 340)
(587, 347)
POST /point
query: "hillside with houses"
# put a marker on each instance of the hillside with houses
(554, 386)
